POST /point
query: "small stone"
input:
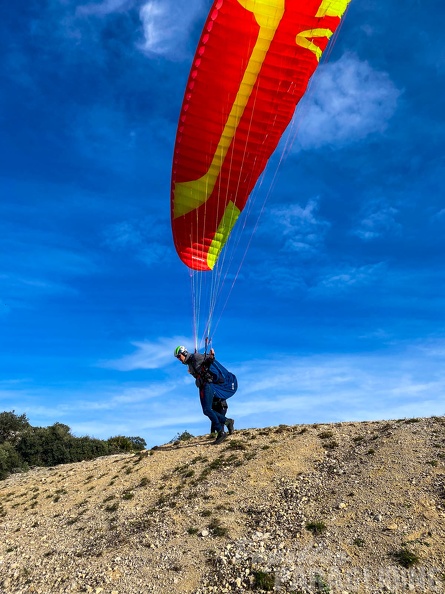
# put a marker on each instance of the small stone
(204, 532)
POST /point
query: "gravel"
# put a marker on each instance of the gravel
(343, 508)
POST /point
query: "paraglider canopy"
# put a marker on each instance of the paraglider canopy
(252, 66)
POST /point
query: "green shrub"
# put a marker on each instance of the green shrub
(139, 443)
(119, 443)
(112, 507)
(10, 460)
(236, 444)
(321, 585)
(11, 426)
(217, 529)
(316, 527)
(184, 436)
(263, 581)
(192, 530)
(406, 558)
(22, 445)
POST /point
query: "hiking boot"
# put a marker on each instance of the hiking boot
(220, 437)
(229, 424)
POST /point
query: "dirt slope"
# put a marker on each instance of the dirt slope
(349, 508)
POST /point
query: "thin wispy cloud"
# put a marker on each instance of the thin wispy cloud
(341, 279)
(146, 240)
(40, 271)
(103, 8)
(148, 354)
(348, 386)
(347, 101)
(116, 398)
(378, 219)
(124, 236)
(167, 25)
(306, 389)
(300, 227)
(278, 278)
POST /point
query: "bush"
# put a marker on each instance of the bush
(184, 436)
(316, 527)
(11, 426)
(264, 581)
(22, 445)
(10, 461)
(120, 443)
(138, 443)
(406, 558)
(49, 446)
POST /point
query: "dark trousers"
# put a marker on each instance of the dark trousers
(216, 418)
(218, 405)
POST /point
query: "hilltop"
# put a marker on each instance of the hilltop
(354, 508)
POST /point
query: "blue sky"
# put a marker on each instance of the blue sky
(338, 310)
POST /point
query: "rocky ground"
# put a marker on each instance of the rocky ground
(344, 508)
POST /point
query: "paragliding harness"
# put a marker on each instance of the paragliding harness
(224, 382)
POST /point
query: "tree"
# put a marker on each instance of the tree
(120, 443)
(22, 445)
(138, 443)
(11, 426)
(10, 461)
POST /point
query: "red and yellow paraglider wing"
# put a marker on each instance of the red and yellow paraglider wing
(252, 66)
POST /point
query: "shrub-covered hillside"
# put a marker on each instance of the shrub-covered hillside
(22, 445)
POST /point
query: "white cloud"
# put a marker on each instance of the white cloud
(103, 8)
(378, 219)
(349, 277)
(167, 25)
(124, 397)
(299, 226)
(148, 354)
(347, 101)
(327, 388)
(400, 382)
(122, 236)
(145, 239)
